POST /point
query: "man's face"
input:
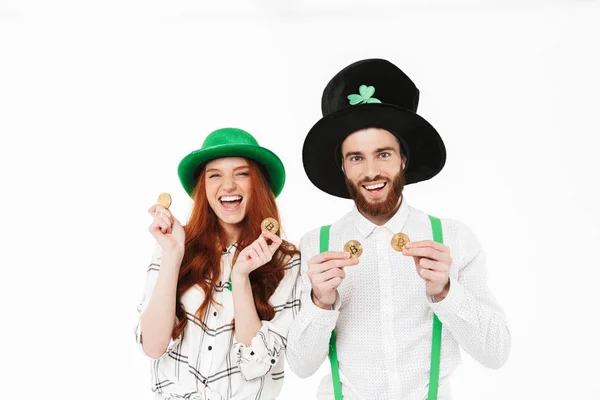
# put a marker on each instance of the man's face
(374, 170)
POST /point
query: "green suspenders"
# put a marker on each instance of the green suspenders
(436, 342)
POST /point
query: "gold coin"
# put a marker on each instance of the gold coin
(399, 241)
(270, 225)
(164, 199)
(354, 248)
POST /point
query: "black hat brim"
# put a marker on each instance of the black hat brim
(419, 139)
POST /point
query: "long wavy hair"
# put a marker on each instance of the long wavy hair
(205, 241)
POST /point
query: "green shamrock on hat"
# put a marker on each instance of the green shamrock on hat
(364, 97)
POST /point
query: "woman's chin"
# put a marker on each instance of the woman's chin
(231, 219)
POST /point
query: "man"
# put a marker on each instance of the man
(400, 311)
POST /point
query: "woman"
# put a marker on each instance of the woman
(221, 293)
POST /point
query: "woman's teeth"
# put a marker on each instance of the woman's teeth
(231, 198)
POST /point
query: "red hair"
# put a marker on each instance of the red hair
(205, 241)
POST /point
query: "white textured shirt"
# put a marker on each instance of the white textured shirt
(383, 317)
(208, 363)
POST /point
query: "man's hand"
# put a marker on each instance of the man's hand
(433, 263)
(326, 273)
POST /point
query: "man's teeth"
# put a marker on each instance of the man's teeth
(374, 187)
(231, 198)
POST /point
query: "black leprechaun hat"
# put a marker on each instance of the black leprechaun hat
(371, 93)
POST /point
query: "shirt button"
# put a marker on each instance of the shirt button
(251, 353)
(272, 361)
(209, 348)
(215, 313)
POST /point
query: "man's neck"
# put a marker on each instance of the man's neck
(380, 220)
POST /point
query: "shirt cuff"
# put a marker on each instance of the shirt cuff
(454, 304)
(257, 360)
(314, 314)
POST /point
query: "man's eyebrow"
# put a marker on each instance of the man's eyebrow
(353, 153)
(379, 150)
(382, 149)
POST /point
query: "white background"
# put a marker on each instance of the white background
(100, 100)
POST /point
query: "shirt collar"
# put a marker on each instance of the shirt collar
(230, 249)
(394, 225)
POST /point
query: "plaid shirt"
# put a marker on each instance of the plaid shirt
(208, 363)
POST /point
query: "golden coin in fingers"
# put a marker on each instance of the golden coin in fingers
(354, 248)
(164, 199)
(399, 241)
(270, 225)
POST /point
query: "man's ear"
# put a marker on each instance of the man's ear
(340, 157)
(342, 161)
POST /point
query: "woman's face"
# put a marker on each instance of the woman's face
(228, 186)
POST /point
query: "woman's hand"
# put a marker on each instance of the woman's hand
(167, 230)
(257, 254)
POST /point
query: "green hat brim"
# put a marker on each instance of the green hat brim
(190, 163)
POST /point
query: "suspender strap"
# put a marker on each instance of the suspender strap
(436, 338)
(436, 342)
(335, 370)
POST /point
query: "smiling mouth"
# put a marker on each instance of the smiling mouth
(375, 187)
(230, 202)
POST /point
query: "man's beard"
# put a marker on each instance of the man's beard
(381, 208)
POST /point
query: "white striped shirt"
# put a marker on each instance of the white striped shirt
(209, 364)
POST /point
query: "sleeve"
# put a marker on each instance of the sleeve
(270, 342)
(470, 312)
(151, 276)
(308, 341)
